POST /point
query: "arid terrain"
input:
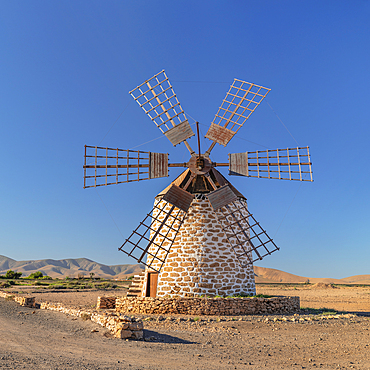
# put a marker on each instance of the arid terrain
(320, 295)
(74, 267)
(40, 339)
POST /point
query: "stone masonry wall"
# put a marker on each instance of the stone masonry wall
(201, 261)
(208, 306)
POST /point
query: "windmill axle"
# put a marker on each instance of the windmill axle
(200, 165)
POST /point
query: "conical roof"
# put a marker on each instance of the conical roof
(200, 183)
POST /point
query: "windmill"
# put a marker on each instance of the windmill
(199, 237)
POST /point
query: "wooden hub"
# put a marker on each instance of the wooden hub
(199, 165)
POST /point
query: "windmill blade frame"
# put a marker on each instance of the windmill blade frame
(152, 240)
(108, 166)
(281, 164)
(159, 101)
(239, 103)
(200, 217)
(248, 240)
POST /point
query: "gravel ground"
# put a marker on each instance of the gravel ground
(40, 339)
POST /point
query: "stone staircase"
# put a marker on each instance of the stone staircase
(136, 285)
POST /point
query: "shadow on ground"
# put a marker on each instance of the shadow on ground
(307, 311)
(360, 313)
(154, 336)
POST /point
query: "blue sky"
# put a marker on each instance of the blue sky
(65, 71)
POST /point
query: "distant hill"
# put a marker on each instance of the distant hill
(69, 267)
(267, 275)
(72, 267)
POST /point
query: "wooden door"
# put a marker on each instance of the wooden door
(151, 287)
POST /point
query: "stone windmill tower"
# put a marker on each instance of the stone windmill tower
(199, 238)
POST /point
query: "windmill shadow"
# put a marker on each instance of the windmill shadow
(153, 336)
(333, 311)
(361, 314)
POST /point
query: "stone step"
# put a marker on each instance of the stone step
(133, 294)
(136, 280)
(136, 284)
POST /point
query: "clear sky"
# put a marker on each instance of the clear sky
(65, 71)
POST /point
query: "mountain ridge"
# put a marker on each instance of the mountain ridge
(72, 267)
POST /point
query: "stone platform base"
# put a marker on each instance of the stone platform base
(208, 306)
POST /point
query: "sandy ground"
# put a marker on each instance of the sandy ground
(343, 298)
(40, 339)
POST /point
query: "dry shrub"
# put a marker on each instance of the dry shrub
(323, 286)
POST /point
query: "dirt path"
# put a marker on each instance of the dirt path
(51, 340)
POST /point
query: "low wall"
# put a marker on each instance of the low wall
(106, 303)
(208, 306)
(121, 326)
(23, 301)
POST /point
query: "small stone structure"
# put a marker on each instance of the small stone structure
(129, 328)
(25, 301)
(201, 260)
(106, 303)
(208, 306)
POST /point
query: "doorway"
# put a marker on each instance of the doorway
(151, 284)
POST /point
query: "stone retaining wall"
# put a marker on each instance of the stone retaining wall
(23, 301)
(208, 306)
(121, 326)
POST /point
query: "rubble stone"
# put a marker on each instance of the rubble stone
(123, 334)
(207, 306)
(106, 303)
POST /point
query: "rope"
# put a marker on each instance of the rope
(301, 181)
(289, 207)
(252, 142)
(204, 82)
(283, 124)
(115, 122)
(109, 213)
(159, 137)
